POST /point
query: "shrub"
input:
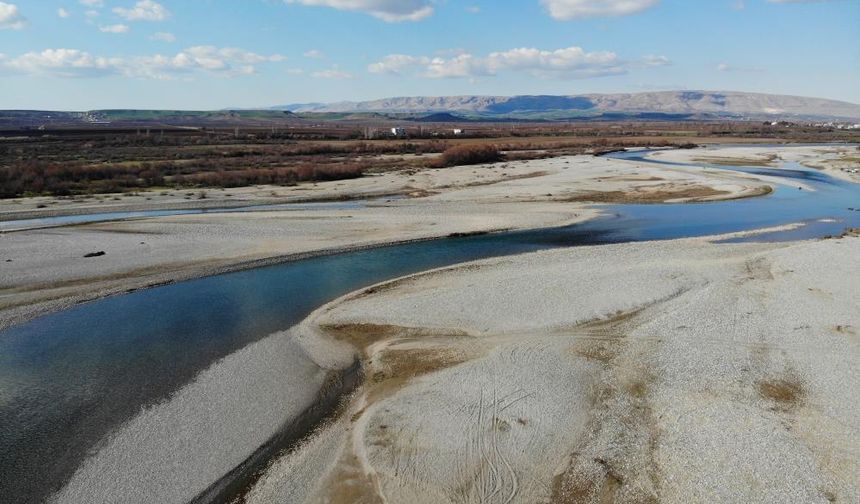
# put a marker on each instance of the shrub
(468, 155)
(65, 179)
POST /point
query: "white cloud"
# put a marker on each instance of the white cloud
(653, 60)
(314, 54)
(462, 65)
(63, 13)
(473, 9)
(295, 71)
(163, 37)
(332, 73)
(577, 9)
(116, 28)
(566, 63)
(92, 3)
(143, 10)
(63, 63)
(391, 11)
(571, 62)
(10, 17)
(397, 63)
(226, 62)
(91, 14)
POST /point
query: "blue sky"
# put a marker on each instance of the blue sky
(208, 54)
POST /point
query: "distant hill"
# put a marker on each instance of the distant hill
(441, 117)
(667, 105)
(660, 106)
(145, 118)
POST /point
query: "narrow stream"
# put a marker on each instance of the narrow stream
(67, 220)
(70, 378)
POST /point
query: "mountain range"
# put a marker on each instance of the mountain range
(672, 104)
(655, 106)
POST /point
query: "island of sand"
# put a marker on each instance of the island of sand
(46, 269)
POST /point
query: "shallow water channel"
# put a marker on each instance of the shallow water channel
(68, 220)
(69, 378)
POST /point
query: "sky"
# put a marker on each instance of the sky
(213, 54)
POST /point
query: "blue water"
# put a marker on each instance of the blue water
(69, 378)
(67, 220)
(833, 201)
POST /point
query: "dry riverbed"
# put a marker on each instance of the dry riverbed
(677, 372)
(46, 269)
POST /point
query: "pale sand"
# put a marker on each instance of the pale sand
(174, 450)
(585, 373)
(678, 371)
(47, 270)
(374, 185)
(170, 452)
(833, 160)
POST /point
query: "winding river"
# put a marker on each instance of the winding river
(69, 379)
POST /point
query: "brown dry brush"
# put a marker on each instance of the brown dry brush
(468, 154)
(63, 179)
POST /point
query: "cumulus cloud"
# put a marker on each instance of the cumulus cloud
(92, 3)
(144, 10)
(566, 63)
(314, 54)
(396, 63)
(10, 17)
(391, 11)
(332, 73)
(63, 13)
(116, 28)
(226, 62)
(63, 63)
(163, 37)
(578, 9)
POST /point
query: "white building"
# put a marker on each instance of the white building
(398, 132)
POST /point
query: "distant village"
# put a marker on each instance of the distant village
(401, 132)
(828, 125)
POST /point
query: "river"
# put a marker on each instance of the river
(70, 378)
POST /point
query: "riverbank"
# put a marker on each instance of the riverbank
(133, 460)
(47, 269)
(569, 375)
(838, 161)
(594, 373)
